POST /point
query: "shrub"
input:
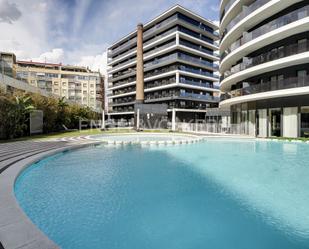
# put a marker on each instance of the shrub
(15, 109)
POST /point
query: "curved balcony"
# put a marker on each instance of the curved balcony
(272, 89)
(233, 8)
(251, 16)
(271, 37)
(268, 27)
(273, 54)
(298, 59)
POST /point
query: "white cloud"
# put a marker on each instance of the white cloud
(95, 63)
(26, 37)
(56, 55)
(9, 12)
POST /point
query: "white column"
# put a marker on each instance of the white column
(290, 123)
(173, 119)
(103, 120)
(177, 77)
(177, 38)
(262, 123)
(251, 124)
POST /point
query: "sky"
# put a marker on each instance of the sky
(78, 32)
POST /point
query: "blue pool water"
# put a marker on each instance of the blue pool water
(217, 194)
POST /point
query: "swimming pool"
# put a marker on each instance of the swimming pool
(219, 193)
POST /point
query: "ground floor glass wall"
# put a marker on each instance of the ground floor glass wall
(286, 121)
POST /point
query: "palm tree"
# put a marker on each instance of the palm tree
(62, 118)
(23, 107)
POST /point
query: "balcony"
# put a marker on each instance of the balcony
(244, 13)
(268, 27)
(272, 55)
(200, 84)
(197, 71)
(145, 54)
(226, 8)
(195, 96)
(183, 57)
(164, 23)
(273, 85)
(180, 95)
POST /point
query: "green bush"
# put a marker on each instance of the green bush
(57, 113)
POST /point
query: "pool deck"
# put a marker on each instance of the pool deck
(16, 229)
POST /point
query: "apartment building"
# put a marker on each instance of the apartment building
(264, 66)
(177, 65)
(7, 64)
(75, 83)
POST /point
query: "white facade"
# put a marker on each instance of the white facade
(264, 65)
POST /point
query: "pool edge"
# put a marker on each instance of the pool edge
(16, 228)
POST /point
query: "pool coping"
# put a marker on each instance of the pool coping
(16, 228)
(187, 139)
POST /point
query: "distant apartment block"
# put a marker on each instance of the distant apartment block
(178, 66)
(75, 83)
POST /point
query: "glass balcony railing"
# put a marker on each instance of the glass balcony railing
(272, 55)
(197, 61)
(245, 12)
(183, 57)
(226, 8)
(148, 42)
(157, 27)
(166, 33)
(197, 47)
(182, 95)
(274, 85)
(197, 71)
(170, 44)
(198, 96)
(160, 25)
(275, 24)
(195, 83)
(146, 54)
(171, 57)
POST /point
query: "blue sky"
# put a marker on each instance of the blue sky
(79, 31)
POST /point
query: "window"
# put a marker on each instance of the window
(273, 82)
(302, 45)
(281, 52)
(301, 77)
